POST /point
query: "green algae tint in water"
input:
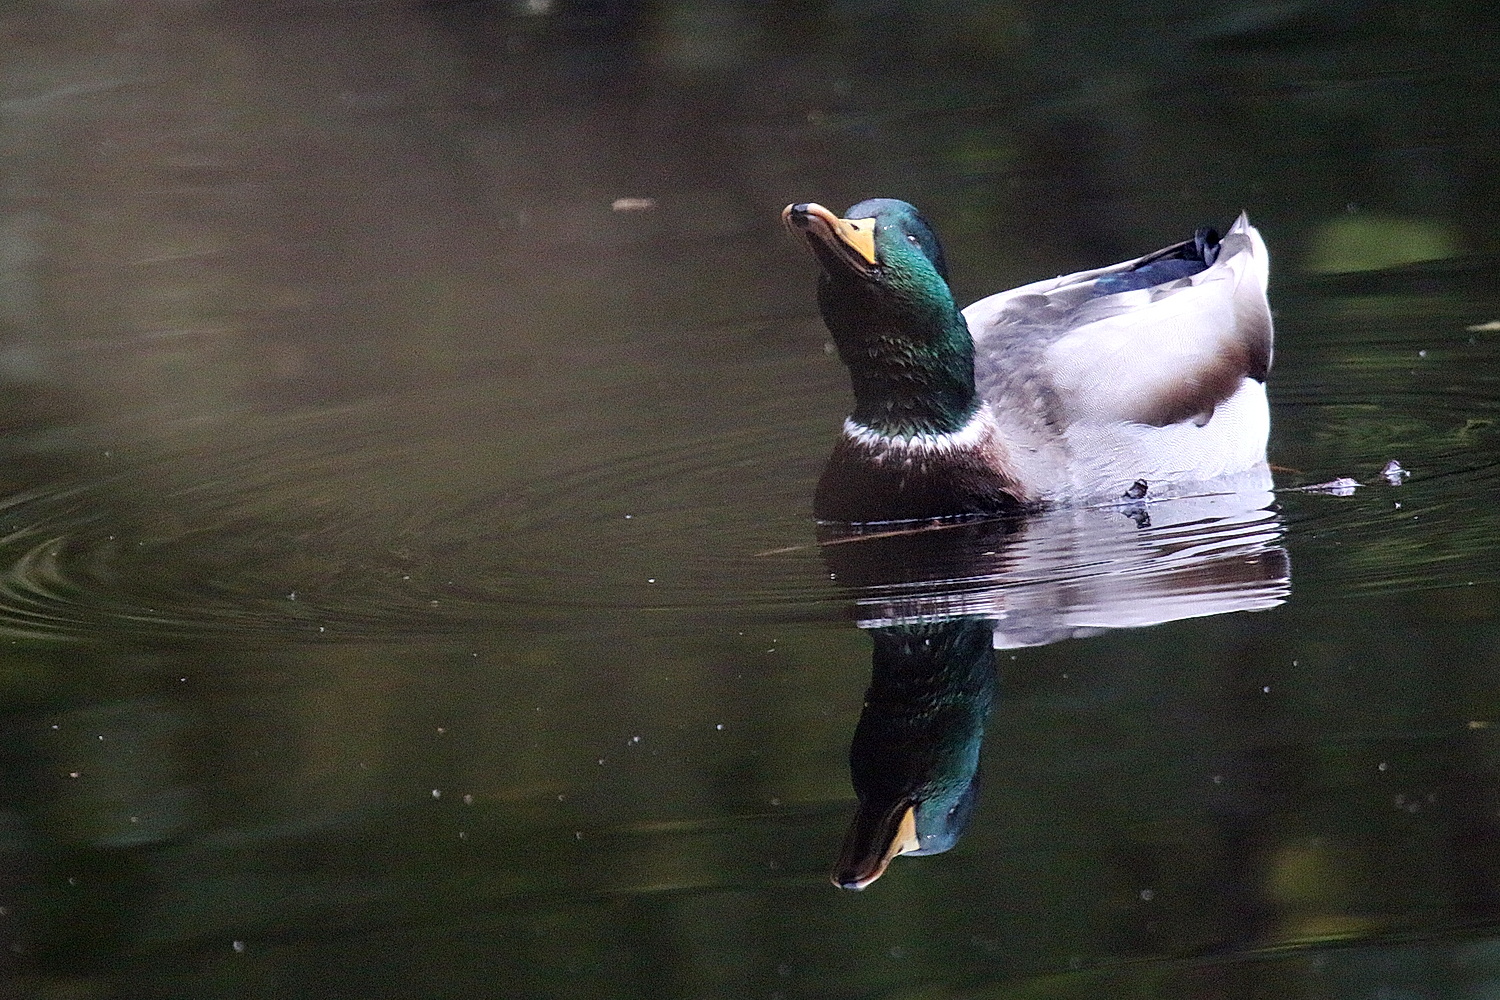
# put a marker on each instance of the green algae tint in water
(407, 581)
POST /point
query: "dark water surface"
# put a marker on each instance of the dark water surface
(407, 582)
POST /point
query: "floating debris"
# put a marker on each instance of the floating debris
(632, 204)
(1393, 473)
(1340, 487)
(1489, 327)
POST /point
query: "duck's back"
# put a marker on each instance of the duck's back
(1151, 370)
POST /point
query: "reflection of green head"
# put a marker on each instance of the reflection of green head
(915, 756)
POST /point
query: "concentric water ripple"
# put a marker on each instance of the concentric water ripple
(362, 526)
(480, 510)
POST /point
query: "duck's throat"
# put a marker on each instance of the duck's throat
(910, 358)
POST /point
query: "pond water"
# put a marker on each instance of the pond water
(408, 586)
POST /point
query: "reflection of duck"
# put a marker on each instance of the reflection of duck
(937, 598)
(1072, 388)
(1076, 571)
(915, 756)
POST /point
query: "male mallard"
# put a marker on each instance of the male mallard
(1078, 388)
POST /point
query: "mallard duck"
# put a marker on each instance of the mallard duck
(1138, 380)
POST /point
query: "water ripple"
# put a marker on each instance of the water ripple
(482, 511)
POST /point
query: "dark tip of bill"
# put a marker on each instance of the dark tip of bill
(856, 876)
(854, 883)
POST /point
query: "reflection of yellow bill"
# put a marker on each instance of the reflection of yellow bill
(904, 841)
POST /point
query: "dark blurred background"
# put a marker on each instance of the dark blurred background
(215, 207)
(409, 414)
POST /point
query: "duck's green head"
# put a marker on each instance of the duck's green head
(884, 296)
(882, 243)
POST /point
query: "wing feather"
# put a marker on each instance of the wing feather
(1155, 356)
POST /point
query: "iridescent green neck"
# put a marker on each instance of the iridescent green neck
(910, 357)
